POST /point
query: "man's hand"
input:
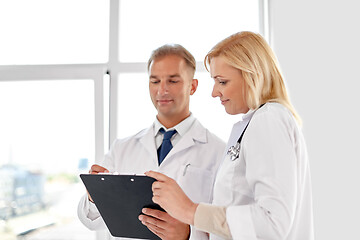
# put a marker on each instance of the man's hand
(163, 225)
(96, 169)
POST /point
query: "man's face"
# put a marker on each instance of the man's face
(170, 85)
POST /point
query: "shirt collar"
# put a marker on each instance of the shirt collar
(181, 128)
(247, 115)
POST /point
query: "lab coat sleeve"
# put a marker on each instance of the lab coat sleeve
(271, 172)
(196, 234)
(109, 159)
(89, 215)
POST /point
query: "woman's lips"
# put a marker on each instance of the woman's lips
(224, 101)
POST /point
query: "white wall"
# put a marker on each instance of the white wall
(318, 45)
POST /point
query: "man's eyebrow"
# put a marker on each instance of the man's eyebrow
(169, 76)
(174, 75)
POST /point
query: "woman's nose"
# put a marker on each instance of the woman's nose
(215, 92)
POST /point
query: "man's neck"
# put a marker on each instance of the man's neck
(171, 122)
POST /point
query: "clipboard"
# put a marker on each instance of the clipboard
(120, 199)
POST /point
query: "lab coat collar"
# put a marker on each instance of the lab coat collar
(147, 139)
(244, 119)
(181, 127)
(196, 133)
(247, 115)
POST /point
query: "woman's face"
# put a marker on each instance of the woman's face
(229, 86)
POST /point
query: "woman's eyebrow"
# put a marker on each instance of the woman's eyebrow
(217, 76)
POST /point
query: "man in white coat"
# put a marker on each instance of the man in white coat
(195, 155)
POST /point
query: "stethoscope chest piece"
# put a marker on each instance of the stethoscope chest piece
(234, 151)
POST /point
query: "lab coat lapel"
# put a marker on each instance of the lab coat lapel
(147, 140)
(196, 133)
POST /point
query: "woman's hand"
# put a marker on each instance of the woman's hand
(168, 194)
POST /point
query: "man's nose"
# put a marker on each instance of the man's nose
(163, 88)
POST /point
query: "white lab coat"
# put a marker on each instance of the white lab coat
(193, 163)
(267, 189)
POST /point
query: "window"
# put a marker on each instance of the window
(135, 108)
(47, 137)
(54, 32)
(73, 78)
(197, 25)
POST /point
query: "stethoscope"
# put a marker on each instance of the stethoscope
(234, 151)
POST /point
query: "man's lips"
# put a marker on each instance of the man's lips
(164, 101)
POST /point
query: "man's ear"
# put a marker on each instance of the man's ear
(194, 85)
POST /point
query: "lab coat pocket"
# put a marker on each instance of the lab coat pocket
(197, 183)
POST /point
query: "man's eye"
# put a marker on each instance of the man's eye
(154, 81)
(222, 82)
(173, 81)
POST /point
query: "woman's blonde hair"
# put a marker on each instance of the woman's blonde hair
(250, 53)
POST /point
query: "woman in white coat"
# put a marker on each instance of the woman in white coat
(262, 189)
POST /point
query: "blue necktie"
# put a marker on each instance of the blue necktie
(166, 145)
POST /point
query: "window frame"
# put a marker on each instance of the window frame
(93, 72)
(116, 67)
(97, 71)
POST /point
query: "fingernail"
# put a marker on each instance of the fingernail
(141, 217)
(144, 210)
(106, 171)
